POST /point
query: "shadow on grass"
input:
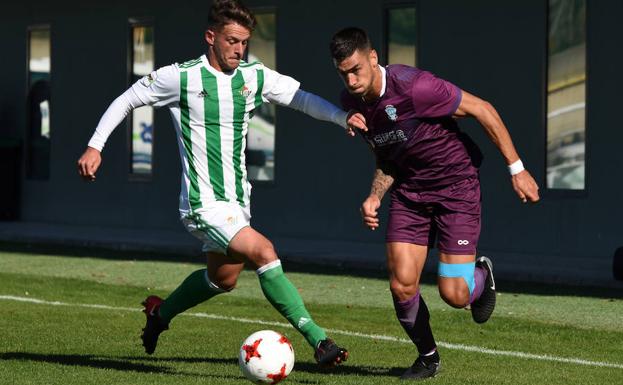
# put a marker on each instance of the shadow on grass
(90, 361)
(155, 365)
(123, 364)
(346, 370)
(307, 367)
(336, 269)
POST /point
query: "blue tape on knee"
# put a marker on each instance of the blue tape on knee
(456, 270)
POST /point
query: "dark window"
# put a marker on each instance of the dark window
(38, 135)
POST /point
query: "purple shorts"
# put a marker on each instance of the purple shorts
(451, 213)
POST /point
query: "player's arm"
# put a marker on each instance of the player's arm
(157, 89)
(321, 109)
(285, 91)
(91, 159)
(381, 182)
(523, 183)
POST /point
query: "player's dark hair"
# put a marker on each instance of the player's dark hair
(230, 11)
(345, 42)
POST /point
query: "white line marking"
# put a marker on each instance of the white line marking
(467, 348)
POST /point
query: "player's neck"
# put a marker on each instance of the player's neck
(375, 89)
(211, 55)
(212, 60)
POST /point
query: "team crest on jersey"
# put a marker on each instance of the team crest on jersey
(245, 91)
(391, 112)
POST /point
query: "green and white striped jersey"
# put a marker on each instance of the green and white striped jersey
(211, 112)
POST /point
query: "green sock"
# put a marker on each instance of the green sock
(286, 299)
(195, 289)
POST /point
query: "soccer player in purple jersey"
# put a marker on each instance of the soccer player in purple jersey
(432, 170)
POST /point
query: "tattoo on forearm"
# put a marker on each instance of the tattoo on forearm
(381, 183)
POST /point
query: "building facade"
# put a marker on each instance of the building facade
(550, 67)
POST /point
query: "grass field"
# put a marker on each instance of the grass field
(75, 319)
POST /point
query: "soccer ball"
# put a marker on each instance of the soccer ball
(266, 357)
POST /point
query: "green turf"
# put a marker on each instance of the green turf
(46, 344)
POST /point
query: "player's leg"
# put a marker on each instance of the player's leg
(463, 280)
(457, 279)
(201, 285)
(214, 225)
(219, 277)
(408, 233)
(250, 245)
(405, 262)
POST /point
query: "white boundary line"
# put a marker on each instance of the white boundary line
(467, 348)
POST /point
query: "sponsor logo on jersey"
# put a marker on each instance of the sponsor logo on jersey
(391, 112)
(149, 79)
(388, 138)
(202, 94)
(463, 242)
(245, 91)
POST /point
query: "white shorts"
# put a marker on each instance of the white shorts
(216, 224)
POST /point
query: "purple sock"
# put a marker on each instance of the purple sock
(414, 317)
(480, 275)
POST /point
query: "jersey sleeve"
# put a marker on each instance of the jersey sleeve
(318, 108)
(434, 97)
(159, 88)
(278, 88)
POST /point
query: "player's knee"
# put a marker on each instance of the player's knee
(227, 284)
(456, 282)
(455, 295)
(403, 290)
(264, 254)
(223, 281)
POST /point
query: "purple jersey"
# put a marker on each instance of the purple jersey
(411, 129)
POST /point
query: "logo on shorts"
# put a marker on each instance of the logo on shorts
(463, 242)
(232, 220)
(391, 112)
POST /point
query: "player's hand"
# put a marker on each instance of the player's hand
(525, 187)
(88, 163)
(369, 212)
(355, 121)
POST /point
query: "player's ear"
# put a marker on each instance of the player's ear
(374, 57)
(210, 36)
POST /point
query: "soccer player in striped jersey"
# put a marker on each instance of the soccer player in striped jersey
(211, 100)
(431, 168)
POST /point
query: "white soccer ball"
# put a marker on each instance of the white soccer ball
(266, 357)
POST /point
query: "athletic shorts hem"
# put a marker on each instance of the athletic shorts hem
(234, 236)
(402, 240)
(457, 252)
(216, 224)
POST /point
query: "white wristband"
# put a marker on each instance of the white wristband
(516, 167)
